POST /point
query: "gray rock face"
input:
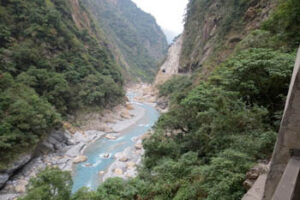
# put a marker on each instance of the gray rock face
(58, 150)
(56, 141)
(3, 179)
(6, 174)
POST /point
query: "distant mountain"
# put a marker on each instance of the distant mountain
(137, 41)
(170, 35)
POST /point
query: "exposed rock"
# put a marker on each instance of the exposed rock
(162, 103)
(101, 173)
(105, 155)
(80, 159)
(20, 188)
(6, 174)
(125, 115)
(129, 107)
(8, 196)
(131, 165)
(138, 146)
(118, 171)
(251, 13)
(123, 159)
(75, 150)
(106, 129)
(171, 66)
(56, 141)
(253, 174)
(111, 137)
(248, 184)
(3, 179)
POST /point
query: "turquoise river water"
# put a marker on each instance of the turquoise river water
(84, 176)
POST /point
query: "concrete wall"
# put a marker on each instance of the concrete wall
(289, 134)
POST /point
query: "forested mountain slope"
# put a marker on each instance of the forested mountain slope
(138, 42)
(222, 119)
(53, 62)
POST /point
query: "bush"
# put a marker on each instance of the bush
(260, 76)
(50, 184)
(285, 22)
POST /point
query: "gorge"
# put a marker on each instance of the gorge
(81, 84)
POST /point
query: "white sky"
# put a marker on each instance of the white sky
(168, 13)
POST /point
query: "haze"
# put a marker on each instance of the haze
(169, 14)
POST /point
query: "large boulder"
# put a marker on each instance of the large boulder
(80, 159)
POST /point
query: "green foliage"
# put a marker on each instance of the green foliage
(216, 128)
(224, 176)
(260, 76)
(138, 41)
(201, 39)
(175, 84)
(226, 121)
(24, 117)
(285, 22)
(50, 184)
(260, 39)
(48, 67)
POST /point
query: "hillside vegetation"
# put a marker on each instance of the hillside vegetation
(50, 66)
(220, 121)
(138, 42)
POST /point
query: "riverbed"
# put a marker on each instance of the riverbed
(102, 153)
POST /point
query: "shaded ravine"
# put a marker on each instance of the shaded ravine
(87, 174)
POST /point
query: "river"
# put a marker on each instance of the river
(87, 174)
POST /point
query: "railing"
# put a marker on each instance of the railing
(289, 185)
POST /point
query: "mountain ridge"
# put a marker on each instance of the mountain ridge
(138, 52)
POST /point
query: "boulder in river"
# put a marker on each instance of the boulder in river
(105, 155)
(79, 159)
(101, 173)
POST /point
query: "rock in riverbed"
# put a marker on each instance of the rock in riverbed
(111, 137)
(138, 146)
(101, 173)
(118, 171)
(131, 165)
(79, 159)
(123, 159)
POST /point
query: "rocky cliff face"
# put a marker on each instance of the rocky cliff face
(213, 28)
(137, 41)
(171, 65)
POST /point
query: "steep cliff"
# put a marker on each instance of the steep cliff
(213, 28)
(240, 55)
(170, 65)
(53, 62)
(138, 42)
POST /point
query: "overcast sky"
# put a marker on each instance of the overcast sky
(168, 13)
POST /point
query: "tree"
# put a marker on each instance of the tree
(50, 184)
